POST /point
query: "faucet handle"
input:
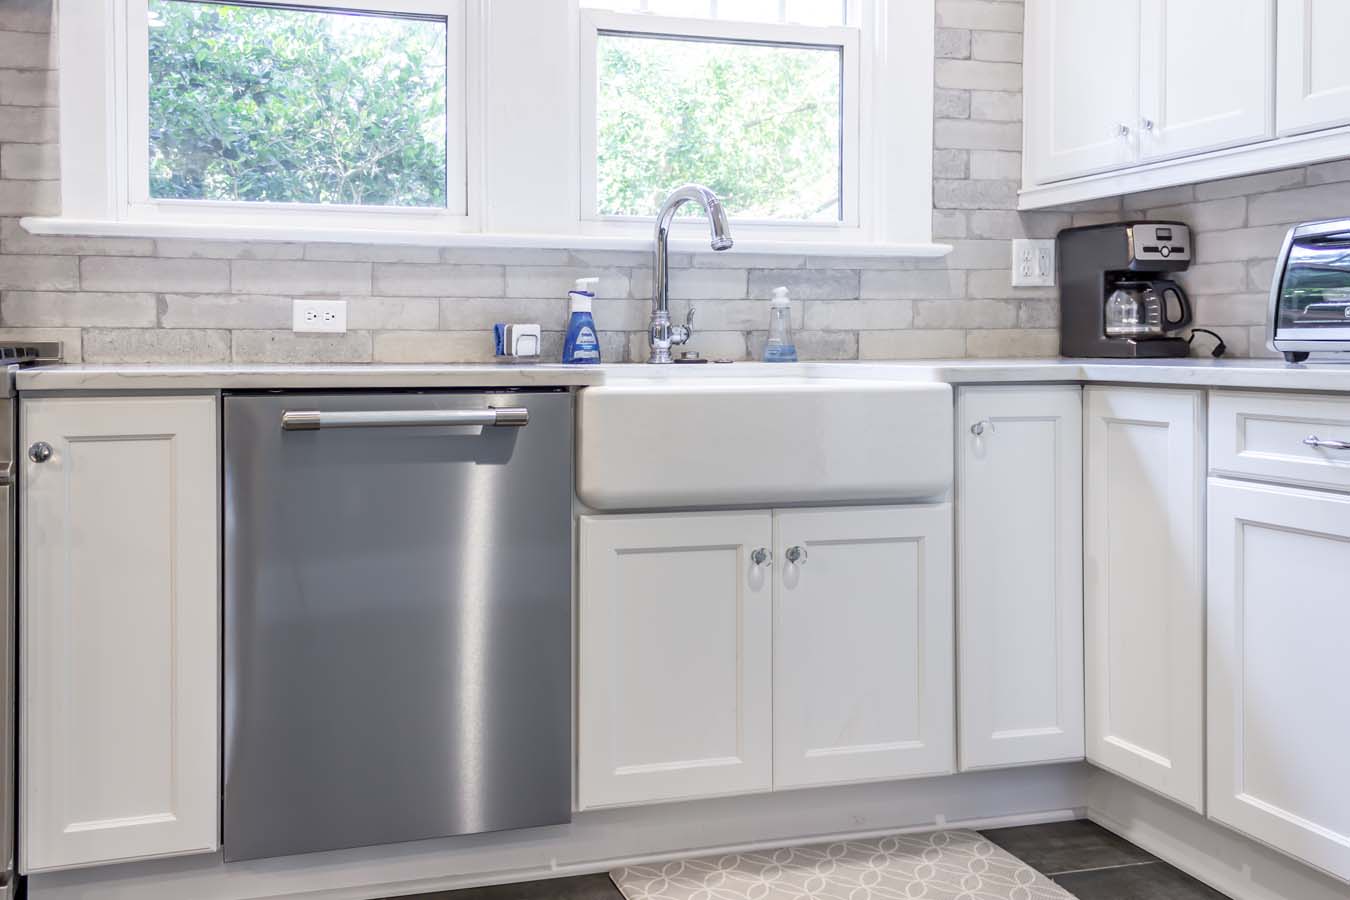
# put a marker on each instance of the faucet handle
(680, 334)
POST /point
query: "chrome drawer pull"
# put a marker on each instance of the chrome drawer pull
(1313, 440)
(313, 420)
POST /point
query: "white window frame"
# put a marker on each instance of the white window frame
(522, 133)
(123, 157)
(842, 39)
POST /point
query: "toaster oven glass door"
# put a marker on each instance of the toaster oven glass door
(1314, 298)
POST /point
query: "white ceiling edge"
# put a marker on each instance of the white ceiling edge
(60, 226)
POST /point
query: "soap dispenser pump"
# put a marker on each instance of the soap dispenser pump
(582, 346)
(780, 346)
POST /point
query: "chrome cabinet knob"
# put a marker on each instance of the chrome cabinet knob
(796, 555)
(1147, 124)
(760, 556)
(981, 427)
(1122, 130)
(40, 452)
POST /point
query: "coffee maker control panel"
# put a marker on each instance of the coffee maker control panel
(1160, 242)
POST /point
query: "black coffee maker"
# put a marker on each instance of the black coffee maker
(1115, 297)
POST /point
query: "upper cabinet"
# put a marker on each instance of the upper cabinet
(1144, 94)
(120, 636)
(1082, 87)
(1314, 70)
(1204, 75)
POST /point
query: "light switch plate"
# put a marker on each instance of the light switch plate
(322, 316)
(1033, 263)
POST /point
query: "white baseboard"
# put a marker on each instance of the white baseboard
(599, 841)
(1223, 859)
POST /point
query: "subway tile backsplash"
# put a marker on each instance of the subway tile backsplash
(138, 300)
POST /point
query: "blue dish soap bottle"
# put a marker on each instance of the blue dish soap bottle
(582, 346)
(780, 347)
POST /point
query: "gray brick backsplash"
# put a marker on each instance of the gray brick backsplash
(952, 43)
(39, 273)
(29, 162)
(985, 15)
(166, 300)
(284, 346)
(972, 74)
(251, 276)
(911, 344)
(951, 104)
(997, 46)
(410, 280)
(77, 308)
(996, 106)
(29, 198)
(106, 273)
(27, 87)
(147, 345)
(26, 49)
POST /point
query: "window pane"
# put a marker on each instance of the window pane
(757, 123)
(290, 105)
(801, 12)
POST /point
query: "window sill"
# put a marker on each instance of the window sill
(58, 226)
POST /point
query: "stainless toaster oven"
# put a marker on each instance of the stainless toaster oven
(1310, 296)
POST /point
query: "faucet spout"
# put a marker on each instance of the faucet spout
(663, 335)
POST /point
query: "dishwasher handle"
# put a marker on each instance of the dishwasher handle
(313, 420)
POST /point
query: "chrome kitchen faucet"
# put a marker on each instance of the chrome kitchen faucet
(662, 335)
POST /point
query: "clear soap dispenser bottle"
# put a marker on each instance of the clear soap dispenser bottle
(781, 347)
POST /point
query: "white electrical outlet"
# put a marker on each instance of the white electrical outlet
(325, 316)
(1033, 263)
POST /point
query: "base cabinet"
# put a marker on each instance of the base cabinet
(1144, 608)
(674, 659)
(729, 653)
(1279, 613)
(120, 638)
(863, 646)
(1020, 575)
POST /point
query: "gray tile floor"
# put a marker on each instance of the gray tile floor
(1088, 861)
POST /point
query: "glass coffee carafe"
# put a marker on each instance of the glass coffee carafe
(1139, 309)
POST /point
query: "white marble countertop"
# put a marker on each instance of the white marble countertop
(1261, 374)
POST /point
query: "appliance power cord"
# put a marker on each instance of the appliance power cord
(1220, 348)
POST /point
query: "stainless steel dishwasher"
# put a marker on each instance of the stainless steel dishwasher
(397, 617)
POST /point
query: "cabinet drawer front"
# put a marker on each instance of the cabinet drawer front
(1269, 436)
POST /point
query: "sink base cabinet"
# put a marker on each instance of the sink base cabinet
(674, 697)
(1020, 575)
(1279, 613)
(120, 631)
(704, 672)
(863, 646)
(1144, 609)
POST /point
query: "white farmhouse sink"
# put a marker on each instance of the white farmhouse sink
(647, 443)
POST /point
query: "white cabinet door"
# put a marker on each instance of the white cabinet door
(119, 612)
(863, 659)
(1279, 613)
(1082, 87)
(1313, 69)
(1206, 75)
(1144, 594)
(1020, 574)
(674, 658)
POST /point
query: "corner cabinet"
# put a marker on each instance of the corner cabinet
(1144, 604)
(119, 629)
(1020, 575)
(737, 652)
(1279, 613)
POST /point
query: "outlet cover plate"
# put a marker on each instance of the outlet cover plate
(319, 316)
(1033, 263)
